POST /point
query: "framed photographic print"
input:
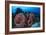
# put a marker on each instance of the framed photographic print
(24, 17)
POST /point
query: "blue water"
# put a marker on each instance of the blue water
(36, 10)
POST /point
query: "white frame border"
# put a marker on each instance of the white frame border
(25, 29)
